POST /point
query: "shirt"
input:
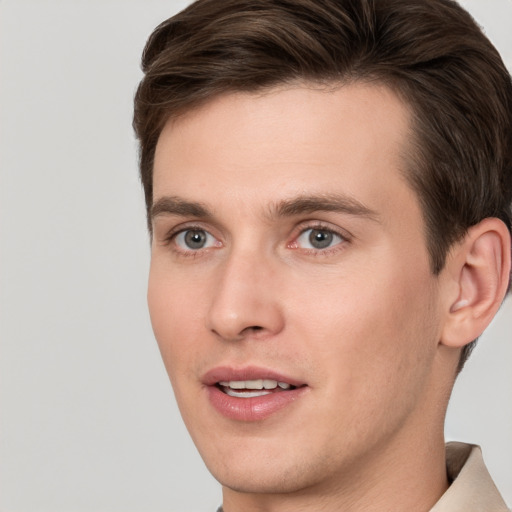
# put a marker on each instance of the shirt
(472, 488)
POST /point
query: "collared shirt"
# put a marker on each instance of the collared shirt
(472, 488)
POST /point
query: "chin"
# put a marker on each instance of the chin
(269, 479)
(268, 468)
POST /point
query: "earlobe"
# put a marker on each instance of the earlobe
(481, 266)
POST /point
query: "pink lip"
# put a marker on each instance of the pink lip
(254, 408)
(224, 373)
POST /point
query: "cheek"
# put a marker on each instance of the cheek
(174, 318)
(375, 325)
(371, 346)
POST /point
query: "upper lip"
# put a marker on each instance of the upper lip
(228, 373)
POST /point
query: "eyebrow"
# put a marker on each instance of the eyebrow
(172, 205)
(304, 204)
(339, 203)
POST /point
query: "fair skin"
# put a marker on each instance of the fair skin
(288, 246)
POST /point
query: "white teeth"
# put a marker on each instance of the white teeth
(246, 394)
(269, 384)
(254, 384)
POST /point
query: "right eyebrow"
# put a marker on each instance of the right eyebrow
(171, 205)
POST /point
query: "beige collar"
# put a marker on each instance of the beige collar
(472, 489)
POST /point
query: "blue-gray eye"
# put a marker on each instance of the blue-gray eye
(194, 239)
(317, 238)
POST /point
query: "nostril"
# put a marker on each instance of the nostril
(252, 328)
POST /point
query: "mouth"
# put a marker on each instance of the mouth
(253, 388)
(251, 394)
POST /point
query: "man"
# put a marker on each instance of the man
(329, 190)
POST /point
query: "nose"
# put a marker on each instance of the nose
(245, 300)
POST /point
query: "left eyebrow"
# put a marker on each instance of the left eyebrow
(172, 205)
(322, 203)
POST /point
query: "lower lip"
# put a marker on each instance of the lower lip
(252, 409)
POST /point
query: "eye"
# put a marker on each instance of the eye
(194, 240)
(318, 238)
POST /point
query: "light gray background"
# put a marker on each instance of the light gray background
(87, 418)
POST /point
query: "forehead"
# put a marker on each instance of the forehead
(289, 141)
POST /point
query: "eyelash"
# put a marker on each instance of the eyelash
(318, 226)
(175, 232)
(344, 239)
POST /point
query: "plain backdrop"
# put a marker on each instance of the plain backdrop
(88, 421)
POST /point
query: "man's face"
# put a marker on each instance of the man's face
(289, 251)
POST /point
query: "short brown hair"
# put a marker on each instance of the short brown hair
(430, 52)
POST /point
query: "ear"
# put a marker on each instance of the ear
(479, 274)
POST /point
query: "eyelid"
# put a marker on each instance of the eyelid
(171, 234)
(344, 235)
(167, 233)
(180, 240)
